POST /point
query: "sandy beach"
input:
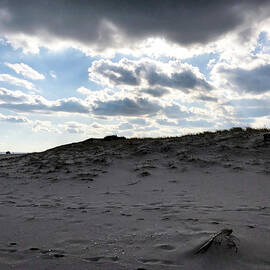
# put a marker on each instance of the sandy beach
(138, 203)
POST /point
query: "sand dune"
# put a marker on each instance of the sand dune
(138, 203)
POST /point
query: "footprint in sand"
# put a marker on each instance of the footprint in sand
(150, 261)
(51, 253)
(34, 249)
(156, 261)
(125, 214)
(165, 247)
(144, 174)
(102, 258)
(173, 181)
(8, 250)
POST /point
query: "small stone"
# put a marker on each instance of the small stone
(143, 174)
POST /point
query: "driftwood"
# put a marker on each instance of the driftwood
(224, 236)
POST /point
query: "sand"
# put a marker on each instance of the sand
(138, 204)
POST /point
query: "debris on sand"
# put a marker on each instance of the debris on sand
(224, 237)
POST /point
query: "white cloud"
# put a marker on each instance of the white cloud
(14, 119)
(53, 74)
(84, 91)
(47, 126)
(36, 125)
(246, 74)
(74, 127)
(125, 126)
(19, 101)
(16, 81)
(26, 71)
(148, 74)
(166, 122)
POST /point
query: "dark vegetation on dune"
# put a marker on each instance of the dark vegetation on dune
(201, 138)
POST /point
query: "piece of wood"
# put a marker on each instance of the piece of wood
(218, 238)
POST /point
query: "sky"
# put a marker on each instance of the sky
(71, 70)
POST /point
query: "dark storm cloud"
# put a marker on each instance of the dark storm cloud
(255, 81)
(90, 22)
(126, 107)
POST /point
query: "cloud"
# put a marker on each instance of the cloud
(207, 98)
(125, 107)
(111, 23)
(139, 121)
(47, 126)
(74, 127)
(115, 73)
(250, 107)
(146, 73)
(14, 119)
(16, 81)
(156, 92)
(166, 122)
(71, 105)
(18, 101)
(255, 80)
(36, 125)
(184, 80)
(96, 125)
(84, 91)
(125, 126)
(8, 96)
(53, 74)
(174, 111)
(26, 71)
(196, 123)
